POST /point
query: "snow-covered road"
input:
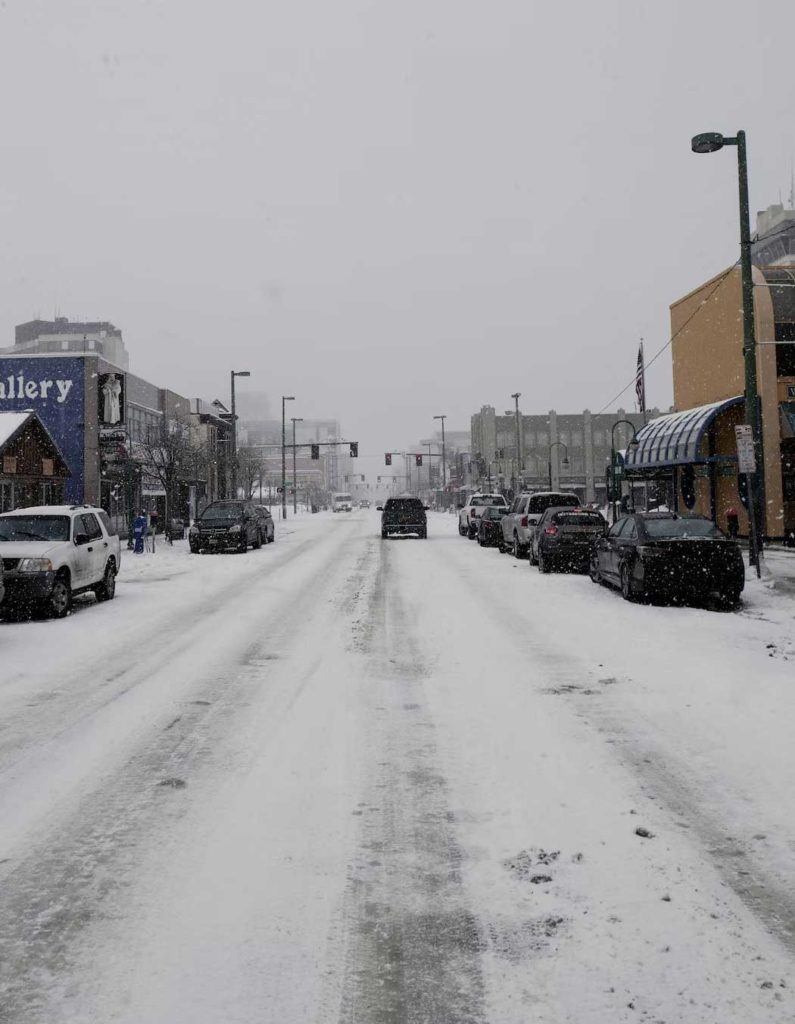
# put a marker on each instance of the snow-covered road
(346, 780)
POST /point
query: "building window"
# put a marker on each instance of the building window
(785, 354)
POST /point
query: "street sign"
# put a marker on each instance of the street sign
(746, 457)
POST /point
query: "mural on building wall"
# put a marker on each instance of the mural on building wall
(111, 399)
(54, 390)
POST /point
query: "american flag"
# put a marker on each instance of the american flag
(640, 380)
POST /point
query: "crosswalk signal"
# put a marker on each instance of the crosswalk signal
(388, 459)
(354, 449)
(315, 451)
(418, 459)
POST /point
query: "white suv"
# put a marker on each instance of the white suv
(469, 513)
(52, 552)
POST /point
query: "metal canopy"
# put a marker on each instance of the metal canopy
(675, 440)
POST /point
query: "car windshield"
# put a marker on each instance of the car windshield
(223, 510)
(685, 528)
(541, 502)
(50, 528)
(580, 519)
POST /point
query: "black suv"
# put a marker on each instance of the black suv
(226, 524)
(403, 515)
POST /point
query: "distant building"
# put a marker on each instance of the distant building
(62, 336)
(546, 441)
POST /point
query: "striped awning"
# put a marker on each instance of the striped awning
(675, 440)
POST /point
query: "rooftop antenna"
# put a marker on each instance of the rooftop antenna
(792, 185)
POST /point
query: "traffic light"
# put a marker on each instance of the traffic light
(418, 459)
(354, 449)
(362, 477)
(315, 451)
(388, 459)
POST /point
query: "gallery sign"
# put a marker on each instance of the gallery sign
(54, 388)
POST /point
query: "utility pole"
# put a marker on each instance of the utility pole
(295, 419)
(232, 375)
(285, 398)
(519, 467)
(444, 461)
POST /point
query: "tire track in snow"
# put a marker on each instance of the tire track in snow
(412, 944)
(67, 881)
(662, 776)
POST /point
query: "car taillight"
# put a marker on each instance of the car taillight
(523, 521)
(550, 531)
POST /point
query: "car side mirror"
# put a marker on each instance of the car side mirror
(81, 538)
(427, 508)
(459, 506)
(379, 508)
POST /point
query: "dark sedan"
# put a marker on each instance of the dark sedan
(665, 555)
(564, 538)
(490, 527)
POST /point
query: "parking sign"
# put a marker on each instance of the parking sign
(746, 458)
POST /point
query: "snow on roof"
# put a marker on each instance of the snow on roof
(10, 422)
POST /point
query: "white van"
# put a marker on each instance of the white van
(341, 503)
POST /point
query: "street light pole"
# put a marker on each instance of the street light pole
(444, 459)
(232, 375)
(285, 398)
(519, 467)
(565, 458)
(295, 419)
(632, 444)
(710, 142)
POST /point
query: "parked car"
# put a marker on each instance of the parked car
(225, 525)
(565, 536)
(364, 503)
(663, 555)
(267, 531)
(51, 553)
(470, 511)
(489, 526)
(519, 526)
(404, 516)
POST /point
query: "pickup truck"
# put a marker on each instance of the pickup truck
(519, 525)
(469, 512)
(52, 552)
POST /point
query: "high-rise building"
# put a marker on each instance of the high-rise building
(62, 336)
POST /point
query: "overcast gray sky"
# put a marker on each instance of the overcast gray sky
(389, 209)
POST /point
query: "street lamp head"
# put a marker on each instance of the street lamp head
(516, 394)
(241, 373)
(634, 443)
(565, 463)
(707, 142)
(288, 398)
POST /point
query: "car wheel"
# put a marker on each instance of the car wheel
(473, 532)
(532, 556)
(627, 586)
(194, 549)
(731, 600)
(462, 530)
(257, 541)
(383, 535)
(543, 564)
(59, 602)
(518, 550)
(593, 570)
(243, 545)
(501, 545)
(106, 590)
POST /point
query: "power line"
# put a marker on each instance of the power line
(670, 341)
